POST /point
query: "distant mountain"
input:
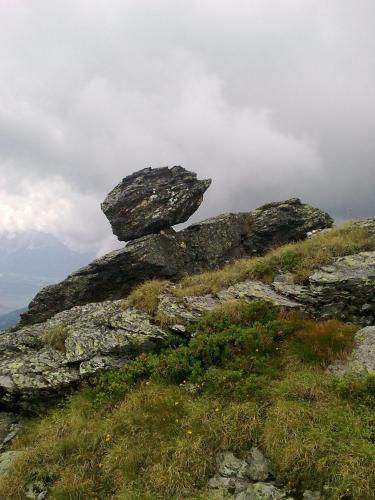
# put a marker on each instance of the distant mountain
(10, 319)
(30, 261)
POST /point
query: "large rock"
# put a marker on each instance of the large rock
(200, 247)
(153, 199)
(343, 290)
(39, 361)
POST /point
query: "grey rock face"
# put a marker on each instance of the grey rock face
(38, 361)
(172, 255)
(343, 290)
(362, 358)
(153, 199)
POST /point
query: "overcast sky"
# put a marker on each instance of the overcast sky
(270, 98)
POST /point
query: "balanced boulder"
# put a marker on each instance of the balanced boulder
(153, 199)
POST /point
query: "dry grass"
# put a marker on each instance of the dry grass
(300, 258)
(55, 336)
(323, 444)
(325, 341)
(146, 296)
(158, 443)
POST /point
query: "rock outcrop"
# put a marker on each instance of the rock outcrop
(172, 255)
(153, 199)
(343, 290)
(40, 360)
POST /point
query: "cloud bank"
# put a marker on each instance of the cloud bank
(270, 99)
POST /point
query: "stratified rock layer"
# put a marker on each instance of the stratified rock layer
(40, 360)
(153, 199)
(200, 247)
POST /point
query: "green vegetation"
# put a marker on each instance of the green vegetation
(55, 336)
(248, 375)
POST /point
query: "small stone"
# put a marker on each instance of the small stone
(311, 495)
(153, 199)
(231, 466)
(262, 491)
(36, 491)
(7, 459)
(259, 467)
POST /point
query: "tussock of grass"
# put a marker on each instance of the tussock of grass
(300, 258)
(146, 296)
(249, 376)
(55, 336)
(322, 443)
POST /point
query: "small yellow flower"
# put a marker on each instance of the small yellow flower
(108, 437)
(190, 432)
(176, 403)
(217, 409)
(177, 420)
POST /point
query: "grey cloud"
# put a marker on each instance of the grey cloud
(270, 99)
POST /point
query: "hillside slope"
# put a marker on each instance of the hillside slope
(235, 374)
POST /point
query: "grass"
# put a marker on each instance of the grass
(249, 375)
(55, 336)
(146, 296)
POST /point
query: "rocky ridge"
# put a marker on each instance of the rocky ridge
(172, 255)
